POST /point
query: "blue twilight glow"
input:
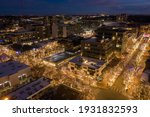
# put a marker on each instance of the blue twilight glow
(47, 7)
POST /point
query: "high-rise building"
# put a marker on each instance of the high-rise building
(54, 28)
(64, 31)
(48, 27)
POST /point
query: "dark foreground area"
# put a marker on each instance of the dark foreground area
(63, 92)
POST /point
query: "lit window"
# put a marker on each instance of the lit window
(24, 76)
(7, 84)
(20, 77)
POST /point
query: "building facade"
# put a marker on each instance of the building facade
(12, 75)
(98, 48)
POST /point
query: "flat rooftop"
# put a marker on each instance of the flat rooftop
(58, 57)
(98, 40)
(11, 67)
(29, 89)
(89, 62)
(91, 40)
(22, 32)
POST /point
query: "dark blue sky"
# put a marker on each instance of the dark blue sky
(47, 7)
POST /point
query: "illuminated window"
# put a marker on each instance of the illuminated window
(7, 84)
(22, 77)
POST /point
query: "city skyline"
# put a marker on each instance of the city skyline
(52, 7)
(73, 50)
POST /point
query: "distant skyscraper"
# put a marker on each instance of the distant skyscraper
(64, 31)
(64, 27)
(48, 27)
(54, 28)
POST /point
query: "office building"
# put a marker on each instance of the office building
(98, 48)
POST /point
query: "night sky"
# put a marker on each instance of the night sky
(51, 7)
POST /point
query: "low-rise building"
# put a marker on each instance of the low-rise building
(92, 67)
(36, 87)
(12, 75)
(59, 59)
(24, 36)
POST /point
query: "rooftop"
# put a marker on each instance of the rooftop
(11, 67)
(112, 29)
(98, 40)
(29, 89)
(113, 23)
(89, 62)
(22, 32)
(92, 40)
(58, 57)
